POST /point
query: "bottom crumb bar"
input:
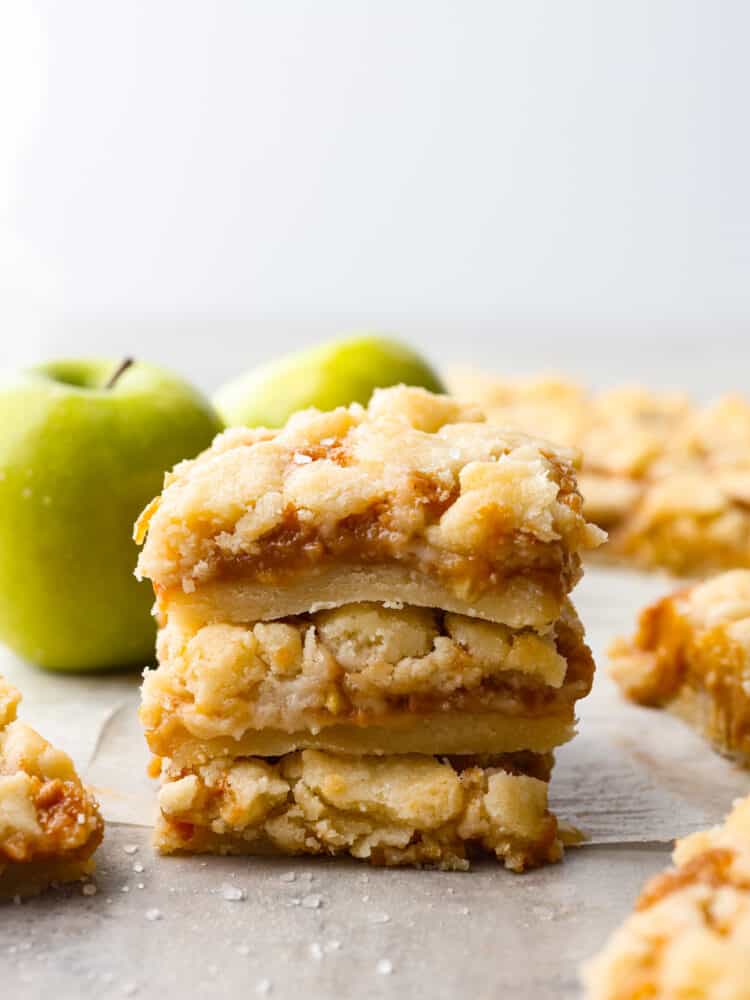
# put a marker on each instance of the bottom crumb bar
(49, 823)
(689, 938)
(396, 810)
(691, 655)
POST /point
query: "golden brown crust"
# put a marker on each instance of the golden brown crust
(397, 810)
(668, 479)
(414, 480)
(49, 823)
(690, 935)
(691, 654)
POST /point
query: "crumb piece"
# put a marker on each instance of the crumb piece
(232, 893)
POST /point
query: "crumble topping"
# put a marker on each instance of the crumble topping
(668, 478)
(415, 477)
(363, 663)
(392, 810)
(690, 934)
(621, 431)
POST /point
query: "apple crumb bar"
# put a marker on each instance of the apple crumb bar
(668, 479)
(49, 823)
(690, 935)
(691, 655)
(366, 644)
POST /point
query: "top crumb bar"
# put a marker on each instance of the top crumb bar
(415, 498)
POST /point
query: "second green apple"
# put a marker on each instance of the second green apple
(333, 374)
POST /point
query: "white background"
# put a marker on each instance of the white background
(206, 183)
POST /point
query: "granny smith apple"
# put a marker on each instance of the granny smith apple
(333, 374)
(83, 448)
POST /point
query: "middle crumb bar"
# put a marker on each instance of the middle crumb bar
(365, 679)
(366, 643)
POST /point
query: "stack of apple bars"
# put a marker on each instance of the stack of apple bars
(366, 644)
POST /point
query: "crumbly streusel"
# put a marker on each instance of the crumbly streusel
(689, 938)
(691, 654)
(415, 480)
(362, 664)
(49, 823)
(397, 810)
(669, 480)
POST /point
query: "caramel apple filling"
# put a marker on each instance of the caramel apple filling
(364, 667)
(369, 545)
(391, 811)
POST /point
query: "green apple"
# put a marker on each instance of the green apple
(83, 448)
(334, 374)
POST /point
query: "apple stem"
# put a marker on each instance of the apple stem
(120, 370)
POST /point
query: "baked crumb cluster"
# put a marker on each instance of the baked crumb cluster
(49, 823)
(690, 935)
(366, 644)
(691, 654)
(667, 478)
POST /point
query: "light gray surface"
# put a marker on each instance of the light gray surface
(484, 934)
(633, 780)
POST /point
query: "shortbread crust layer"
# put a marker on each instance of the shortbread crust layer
(395, 810)
(690, 934)
(443, 733)
(691, 655)
(524, 599)
(415, 483)
(49, 823)
(365, 678)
